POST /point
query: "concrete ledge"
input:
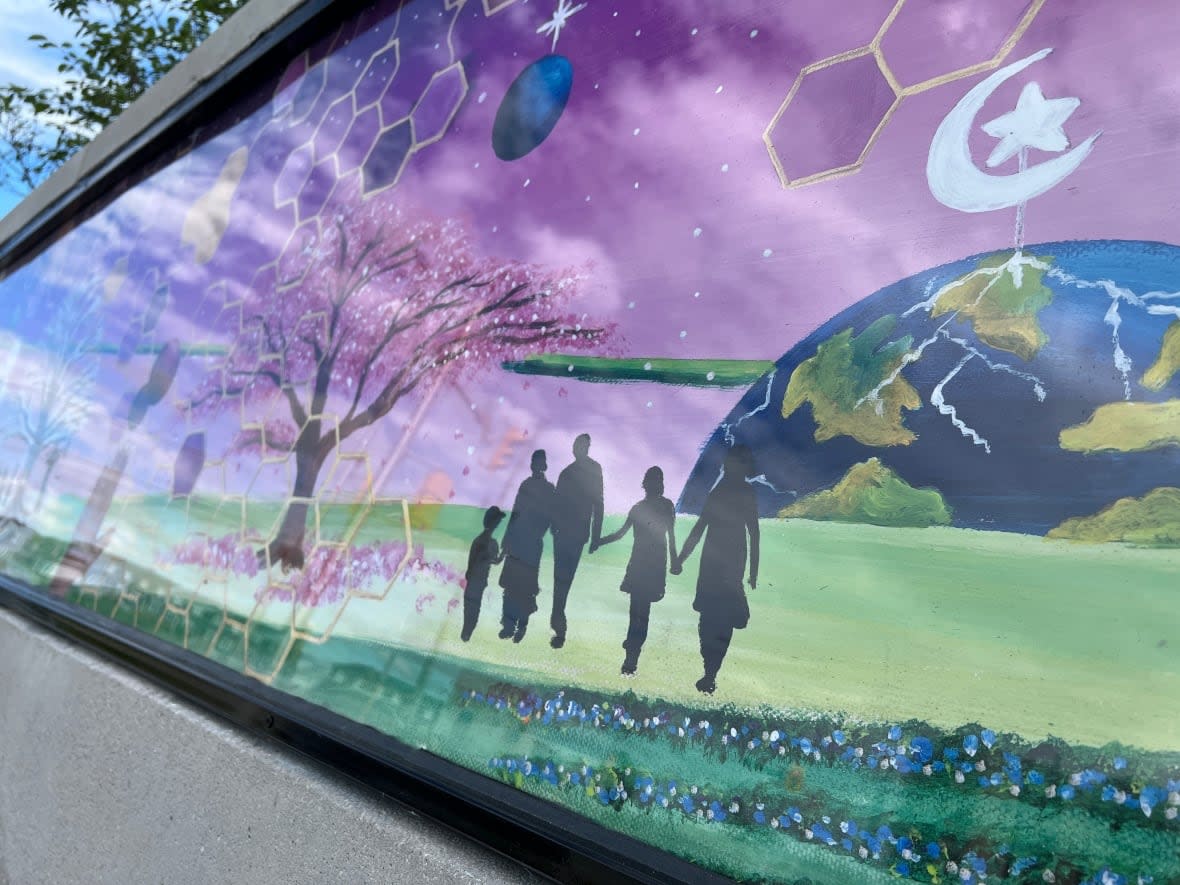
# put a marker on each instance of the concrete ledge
(104, 778)
(225, 44)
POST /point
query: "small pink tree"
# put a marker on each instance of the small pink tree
(385, 297)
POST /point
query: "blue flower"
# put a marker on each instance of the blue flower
(1150, 797)
(759, 817)
(950, 754)
(904, 842)
(903, 868)
(1107, 793)
(805, 745)
(933, 851)
(838, 737)
(1022, 864)
(1066, 792)
(923, 748)
(989, 737)
(895, 733)
(687, 804)
(1119, 763)
(971, 744)
(1036, 778)
(847, 844)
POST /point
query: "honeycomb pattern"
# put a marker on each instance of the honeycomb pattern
(818, 134)
(361, 107)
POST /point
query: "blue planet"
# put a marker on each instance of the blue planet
(1011, 472)
(532, 106)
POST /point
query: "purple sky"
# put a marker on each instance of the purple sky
(663, 136)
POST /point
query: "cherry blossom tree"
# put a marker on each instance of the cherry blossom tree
(351, 324)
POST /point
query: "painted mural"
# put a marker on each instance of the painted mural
(753, 428)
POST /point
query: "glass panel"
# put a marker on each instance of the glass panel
(843, 344)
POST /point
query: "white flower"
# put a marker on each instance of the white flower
(1051, 791)
(1014, 789)
(959, 777)
(981, 765)
(952, 867)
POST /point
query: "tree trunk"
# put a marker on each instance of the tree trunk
(286, 549)
(26, 474)
(50, 464)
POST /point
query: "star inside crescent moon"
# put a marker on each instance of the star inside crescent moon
(957, 182)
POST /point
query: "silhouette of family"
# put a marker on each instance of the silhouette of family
(572, 513)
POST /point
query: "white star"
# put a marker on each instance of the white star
(1035, 123)
(561, 17)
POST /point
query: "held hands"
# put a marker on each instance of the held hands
(676, 566)
(753, 582)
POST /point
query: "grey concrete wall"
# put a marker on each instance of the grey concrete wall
(104, 778)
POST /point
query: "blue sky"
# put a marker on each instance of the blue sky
(20, 61)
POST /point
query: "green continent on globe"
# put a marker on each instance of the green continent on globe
(845, 382)
(1166, 365)
(1152, 520)
(1002, 298)
(870, 492)
(1126, 427)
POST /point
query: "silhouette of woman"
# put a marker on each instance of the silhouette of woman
(654, 522)
(730, 512)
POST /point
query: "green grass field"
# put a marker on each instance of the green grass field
(942, 627)
(950, 626)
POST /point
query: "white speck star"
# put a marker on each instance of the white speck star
(561, 17)
(1035, 123)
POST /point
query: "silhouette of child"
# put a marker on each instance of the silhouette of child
(485, 553)
(654, 522)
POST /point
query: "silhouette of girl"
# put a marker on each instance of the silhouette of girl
(654, 522)
(730, 512)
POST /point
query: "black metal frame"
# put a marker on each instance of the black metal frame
(545, 837)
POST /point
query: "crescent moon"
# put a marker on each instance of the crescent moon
(957, 182)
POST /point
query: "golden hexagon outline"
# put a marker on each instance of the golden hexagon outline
(396, 46)
(299, 217)
(900, 92)
(365, 195)
(418, 145)
(347, 98)
(786, 180)
(311, 165)
(989, 64)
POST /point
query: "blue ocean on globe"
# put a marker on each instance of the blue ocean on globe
(532, 106)
(1023, 480)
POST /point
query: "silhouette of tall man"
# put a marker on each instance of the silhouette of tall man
(524, 542)
(577, 519)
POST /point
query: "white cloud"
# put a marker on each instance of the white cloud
(21, 62)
